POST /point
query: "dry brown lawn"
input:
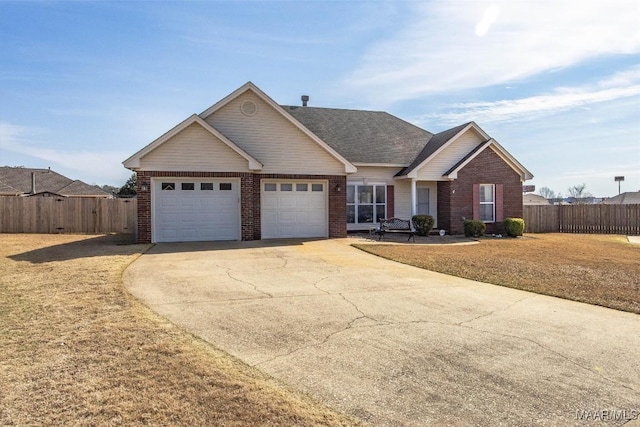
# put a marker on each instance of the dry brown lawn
(77, 349)
(595, 269)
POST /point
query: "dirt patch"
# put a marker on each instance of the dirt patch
(77, 349)
(595, 269)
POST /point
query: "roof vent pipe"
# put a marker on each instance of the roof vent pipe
(33, 183)
(305, 99)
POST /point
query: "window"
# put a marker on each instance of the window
(270, 187)
(225, 186)
(302, 187)
(168, 186)
(206, 186)
(366, 204)
(286, 187)
(188, 186)
(316, 187)
(487, 203)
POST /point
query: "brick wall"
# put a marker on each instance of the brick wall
(455, 198)
(250, 185)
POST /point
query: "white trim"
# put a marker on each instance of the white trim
(381, 165)
(348, 166)
(133, 162)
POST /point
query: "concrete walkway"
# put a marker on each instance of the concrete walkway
(393, 344)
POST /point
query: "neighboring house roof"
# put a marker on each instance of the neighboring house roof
(369, 137)
(7, 190)
(30, 181)
(627, 198)
(534, 199)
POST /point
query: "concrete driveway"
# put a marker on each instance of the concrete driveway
(393, 344)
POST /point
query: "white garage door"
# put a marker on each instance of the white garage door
(294, 209)
(192, 210)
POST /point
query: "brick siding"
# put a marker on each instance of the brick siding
(455, 198)
(250, 185)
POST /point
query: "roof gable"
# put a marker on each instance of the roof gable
(500, 151)
(348, 166)
(133, 162)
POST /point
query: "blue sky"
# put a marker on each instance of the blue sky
(83, 85)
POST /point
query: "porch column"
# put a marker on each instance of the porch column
(414, 197)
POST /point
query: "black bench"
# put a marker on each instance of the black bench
(396, 225)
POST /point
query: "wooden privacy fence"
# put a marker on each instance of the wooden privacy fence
(67, 215)
(601, 219)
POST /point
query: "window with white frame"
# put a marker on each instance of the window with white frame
(366, 204)
(487, 202)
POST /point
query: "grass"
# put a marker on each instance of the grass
(596, 269)
(77, 349)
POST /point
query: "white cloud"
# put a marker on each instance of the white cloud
(530, 108)
(438, 50)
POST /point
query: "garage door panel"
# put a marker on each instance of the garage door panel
(298, 213)
(196, 215)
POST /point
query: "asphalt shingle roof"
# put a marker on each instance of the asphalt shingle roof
(46, 180)
(364, 136)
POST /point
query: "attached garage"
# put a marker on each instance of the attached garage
(192, 209)
(294, 209)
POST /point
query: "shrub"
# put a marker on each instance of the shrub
(474, 228)
(423, 224)
(514, 227)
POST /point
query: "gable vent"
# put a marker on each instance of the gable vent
(248, 108)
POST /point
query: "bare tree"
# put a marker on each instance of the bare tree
(547, 193)
(580, 194)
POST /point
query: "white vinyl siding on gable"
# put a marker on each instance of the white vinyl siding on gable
(452, 154)
(194, 149)
(272, 140)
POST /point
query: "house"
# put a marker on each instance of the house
(247, 168)
(29, 182)
(529, 199)
(627, 198)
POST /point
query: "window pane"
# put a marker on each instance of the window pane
(351, 191)
(206, 186)
(365, 214)
(168, 186)
(188, 186)
(225, 186)
(302, 187)
(351, 214)
(365, 194)
(286, 187)
(270, 187)
(486, 212)
(380, 193)
(318, 187)
(380, 212)
(486, 193)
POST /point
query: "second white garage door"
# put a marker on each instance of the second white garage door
(294, 209)
(191, 210)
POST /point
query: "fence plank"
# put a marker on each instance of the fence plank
(604, 219)
(67, 215)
